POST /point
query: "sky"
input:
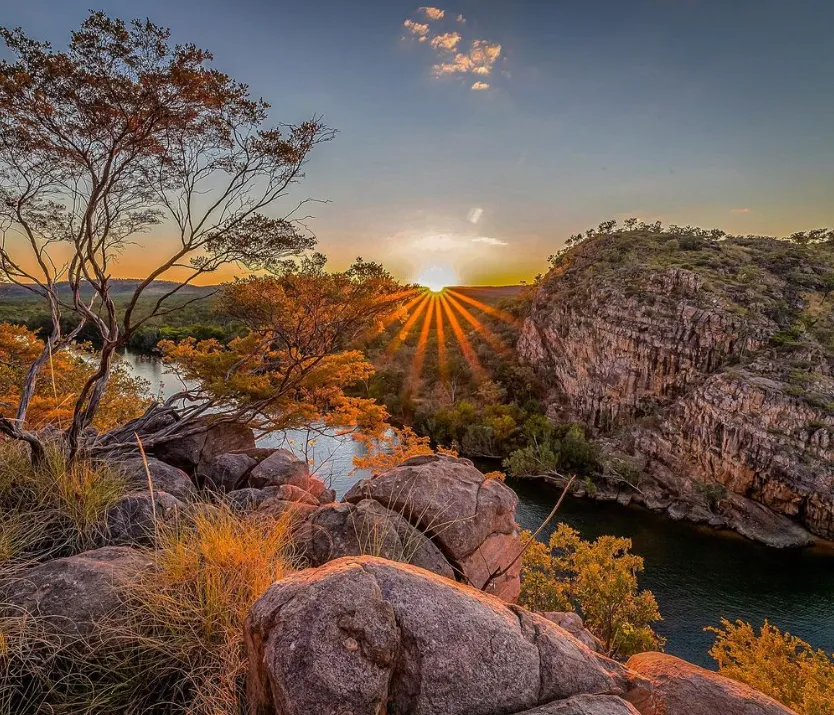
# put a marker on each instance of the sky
(474, 137)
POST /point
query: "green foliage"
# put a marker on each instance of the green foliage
(778, 664)
(551, 447)
(597, 579)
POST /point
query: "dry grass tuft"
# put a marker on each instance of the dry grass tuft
(62, 506)
(188, 613)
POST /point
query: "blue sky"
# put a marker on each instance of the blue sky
(707, 112)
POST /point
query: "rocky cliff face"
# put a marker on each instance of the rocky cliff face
(708, 362)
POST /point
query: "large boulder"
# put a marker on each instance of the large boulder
(280, 467)
(469, 517)
(164, 477)
(363, 635)
(134, 518)
(190, 452)
(75, 592)
(586, 705)
(681, 688)
(367, 528)
(226, 472)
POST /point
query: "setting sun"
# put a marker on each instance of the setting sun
(436, 278)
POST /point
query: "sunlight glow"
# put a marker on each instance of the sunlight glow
(436, 278)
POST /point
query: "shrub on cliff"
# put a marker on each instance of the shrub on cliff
(598, 580)
(551, 447)
(780, 665)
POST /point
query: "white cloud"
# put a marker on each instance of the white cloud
(475, 214)
(418, 29)
(433, 13)
(481, 86)
(448, 41)
(461, 19)
(741, 211)
(438, 243)
(479, 60)
(489, 241)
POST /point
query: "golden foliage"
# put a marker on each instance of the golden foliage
(778, 664)
(187, 613)
(386, 451)
(599, 580)
(60, 382)
(300, 354)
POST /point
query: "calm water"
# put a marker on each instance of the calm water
(696, 574)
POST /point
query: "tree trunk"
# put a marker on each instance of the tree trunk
(88, 401)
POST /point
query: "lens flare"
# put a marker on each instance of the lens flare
(436, 278)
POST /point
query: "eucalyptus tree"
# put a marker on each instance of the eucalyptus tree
(120, 134)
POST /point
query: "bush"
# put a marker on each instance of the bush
(598, 580)
(778, 664)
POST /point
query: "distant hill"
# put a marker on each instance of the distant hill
(490, 294)
(120, 288)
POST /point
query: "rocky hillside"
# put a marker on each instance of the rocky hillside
(709, 362)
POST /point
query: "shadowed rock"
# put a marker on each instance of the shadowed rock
(164, 477)
(75, 592)
(280, 467)
(131, 519)
(367, 528)
(190, 452)
(226, 472)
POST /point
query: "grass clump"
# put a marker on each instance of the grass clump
(175, 647)
(187, 614)
(54, 508)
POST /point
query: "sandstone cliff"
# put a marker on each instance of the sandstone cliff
(708, 362)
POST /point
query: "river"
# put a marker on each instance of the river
(697, 575)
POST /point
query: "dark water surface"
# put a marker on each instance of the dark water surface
(697, 575)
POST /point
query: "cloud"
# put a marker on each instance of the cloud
(417, 29)
(433, 13)
(438, 243)
(479, 60)
(474, 215)
(480, 86)
(489, 241)
(448, 41)
(741, 211)
(461, 19)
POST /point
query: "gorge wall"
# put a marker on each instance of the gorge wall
(707, 363)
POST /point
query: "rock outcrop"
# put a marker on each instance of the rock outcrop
(681, 688)
(367, 528)
(71, 594)
(685, 354)
(365, 635)
(191, 453)
(135, 517)
(471, 519)
(164, 478)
